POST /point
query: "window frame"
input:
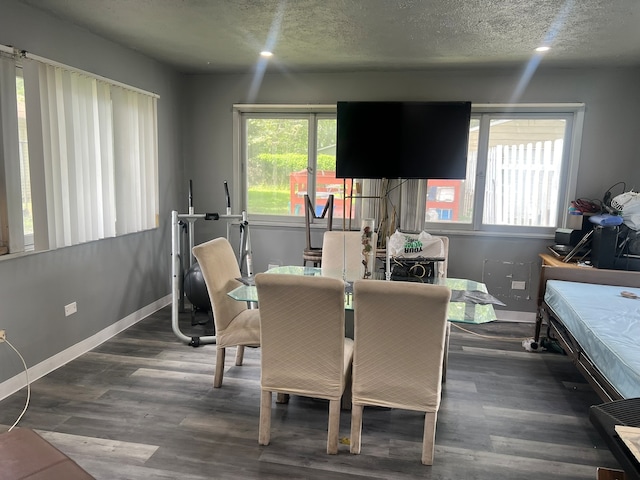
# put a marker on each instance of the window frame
(140, 109)
(23, 144)
(11, 219)
(573, 113)
(241, 112)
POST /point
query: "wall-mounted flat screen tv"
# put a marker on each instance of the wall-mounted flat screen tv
(402, 139)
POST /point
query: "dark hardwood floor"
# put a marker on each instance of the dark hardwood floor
(142, 406)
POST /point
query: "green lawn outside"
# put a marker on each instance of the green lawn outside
(268, 202)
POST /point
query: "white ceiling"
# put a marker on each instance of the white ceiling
(349, 35)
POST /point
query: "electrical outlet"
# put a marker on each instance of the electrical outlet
(3, 336)
(515, 285)
(70, 309)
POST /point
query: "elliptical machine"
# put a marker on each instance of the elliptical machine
(186, 221)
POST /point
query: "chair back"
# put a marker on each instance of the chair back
(220, 270)
(399, 343)
(302, 334)
(443, 266)
(342, 254)
(310, 215)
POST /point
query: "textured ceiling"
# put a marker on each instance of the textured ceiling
(348, 35)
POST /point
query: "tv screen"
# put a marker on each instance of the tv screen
(402, 139)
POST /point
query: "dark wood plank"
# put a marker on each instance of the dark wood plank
(142, 405)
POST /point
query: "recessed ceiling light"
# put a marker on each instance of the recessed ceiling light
(266, 53)
(543, 49)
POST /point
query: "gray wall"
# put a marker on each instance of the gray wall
(609, 150)
(109, 279)
(113, 278)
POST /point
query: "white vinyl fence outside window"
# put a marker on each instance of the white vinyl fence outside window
(524, 185)
(521, 171)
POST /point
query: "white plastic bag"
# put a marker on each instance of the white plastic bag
(412, 245)
(628, 203)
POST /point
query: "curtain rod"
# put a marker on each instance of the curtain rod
(53, 63)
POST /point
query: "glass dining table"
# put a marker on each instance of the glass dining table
(470, 301)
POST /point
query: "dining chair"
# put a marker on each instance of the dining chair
(399, 342)
(310, 253)
(303, 346)
(443, 266)
(236, 324)
(436, 249)
(442, 273)
(342, 254)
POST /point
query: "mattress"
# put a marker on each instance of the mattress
(605, 324)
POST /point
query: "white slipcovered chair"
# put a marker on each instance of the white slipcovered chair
(342, 254)
(304, 350)
(443, 266)
(236, 324)
(399, 345)
(442, 273)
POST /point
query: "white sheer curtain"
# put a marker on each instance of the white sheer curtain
(99, 156)
(372, 192)
(414, 205)
(75, 148)
(136, 169)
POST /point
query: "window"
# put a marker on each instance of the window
(287, 152)
(522, 163)
(15, 225)
(25, 174)
(518, 172)
(79, 156)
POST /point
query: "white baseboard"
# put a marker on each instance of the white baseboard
(513, 316)
(19, 381)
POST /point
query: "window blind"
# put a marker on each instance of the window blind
(98, 154)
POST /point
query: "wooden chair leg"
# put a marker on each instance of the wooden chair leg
(217, 378)
(429, 438)
(264, 431)
(333, 430)
(239, 355)
(356, 428)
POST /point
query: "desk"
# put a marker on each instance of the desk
(548, 259)
(459, 311)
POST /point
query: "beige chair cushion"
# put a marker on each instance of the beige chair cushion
(399, 330)
(235, 323)
(304, 350)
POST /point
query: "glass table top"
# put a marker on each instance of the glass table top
(470, 301)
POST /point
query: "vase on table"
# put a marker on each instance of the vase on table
(368, 248)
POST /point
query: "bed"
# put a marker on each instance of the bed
(597, 327)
